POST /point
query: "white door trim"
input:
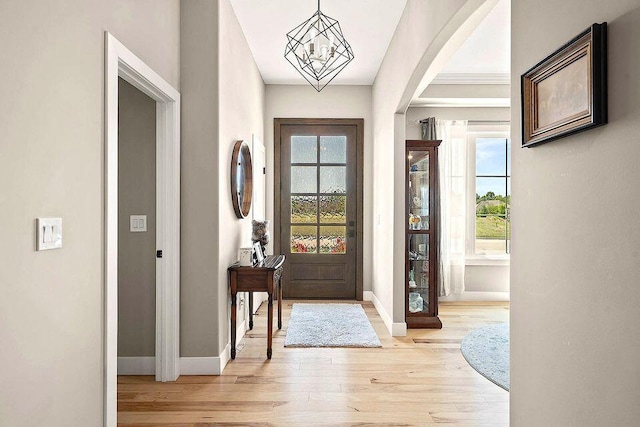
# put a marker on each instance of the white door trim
(259, 161)
(121, 62)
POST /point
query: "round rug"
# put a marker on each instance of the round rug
(487, 351)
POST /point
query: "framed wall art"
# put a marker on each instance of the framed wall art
(566, 92)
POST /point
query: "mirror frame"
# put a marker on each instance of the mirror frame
(241, 158)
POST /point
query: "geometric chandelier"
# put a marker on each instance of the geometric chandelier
(318, 50)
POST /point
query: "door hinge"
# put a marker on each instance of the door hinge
(159, 254)
(264, 171)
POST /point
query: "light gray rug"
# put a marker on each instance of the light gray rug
(330, 325)
(487, 351)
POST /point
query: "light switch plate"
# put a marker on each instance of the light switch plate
(48, 233)
(137, 223)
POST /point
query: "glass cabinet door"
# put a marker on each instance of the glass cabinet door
(418, 273)
(418, 199)
(418, 237)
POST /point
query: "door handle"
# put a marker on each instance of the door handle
(352, 231)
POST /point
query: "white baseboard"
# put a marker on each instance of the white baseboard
(137, 365)
(395, 329)
(205, 365)
(477, 296)
(399, 329)
(212, 365)
(241, 329)
(224, 357)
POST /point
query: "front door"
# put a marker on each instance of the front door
(319, 204)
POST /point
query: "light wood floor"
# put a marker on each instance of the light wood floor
(421, 379)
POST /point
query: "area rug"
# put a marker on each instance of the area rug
(330, 325)
(487, 351)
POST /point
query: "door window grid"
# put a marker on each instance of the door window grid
(318, 206)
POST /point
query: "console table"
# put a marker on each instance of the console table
(262, 277)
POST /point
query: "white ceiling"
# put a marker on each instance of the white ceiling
(487, 50)
(368, 25)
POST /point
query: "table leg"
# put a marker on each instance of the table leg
(233, 325)
(280, 304)
(250, 311)
(270, 325)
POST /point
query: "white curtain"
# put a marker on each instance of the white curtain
(452, 174)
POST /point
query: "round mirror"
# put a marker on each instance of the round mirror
(241, 179)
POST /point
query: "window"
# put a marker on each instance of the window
(490, 186)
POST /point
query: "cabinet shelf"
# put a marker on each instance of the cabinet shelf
(427, 231)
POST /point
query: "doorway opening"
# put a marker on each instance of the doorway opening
(136, 231)
(121, 63)
(318, 206)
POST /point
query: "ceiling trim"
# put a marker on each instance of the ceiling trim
(462, 102)
(472, 79)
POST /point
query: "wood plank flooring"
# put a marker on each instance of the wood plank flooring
(418, 380)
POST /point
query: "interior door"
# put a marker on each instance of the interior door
(318, 210)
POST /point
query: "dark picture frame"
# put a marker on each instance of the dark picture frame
(566, 92)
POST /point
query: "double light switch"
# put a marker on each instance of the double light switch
(137, 223)
(48, 234)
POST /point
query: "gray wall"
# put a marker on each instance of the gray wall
(52, 164)
(222, 102)
(199, 178)
(242, 105)
(575, 264)
(136, 196)
(302, 101)
(419, 26)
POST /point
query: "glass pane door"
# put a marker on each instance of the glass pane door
(318, 210)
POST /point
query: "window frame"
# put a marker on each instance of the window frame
(474, 132)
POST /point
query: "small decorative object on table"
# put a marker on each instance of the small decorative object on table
(260, 233)
(245, 257)
(258, 255)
